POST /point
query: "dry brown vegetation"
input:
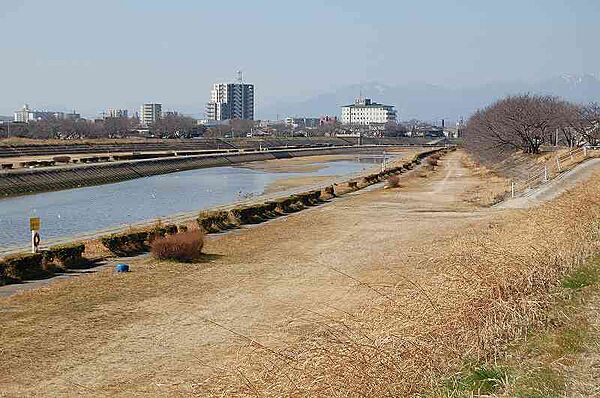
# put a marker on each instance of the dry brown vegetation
(393, 181)
(185, 247)
(487, 290)
(492, 189)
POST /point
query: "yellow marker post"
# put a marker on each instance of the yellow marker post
(34, 226)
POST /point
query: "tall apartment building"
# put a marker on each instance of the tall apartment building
(231, 101)
(365, 112)
(150, 113)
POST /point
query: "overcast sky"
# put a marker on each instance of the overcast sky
(94, 54)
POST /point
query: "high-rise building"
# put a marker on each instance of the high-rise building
(231, 101)
(150, 113)
(365, 112)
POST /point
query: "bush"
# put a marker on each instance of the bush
(160, 231)
(329, 191)
(184, 247)
(216, 221)
(393, 182)
(62, 159)
(67, 256)
(127, 243)
(432, 161)
(23, 267)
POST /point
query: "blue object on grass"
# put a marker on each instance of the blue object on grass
(122, 268)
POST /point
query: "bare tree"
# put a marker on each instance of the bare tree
(174, 126)
(523, 122)
(588, 123)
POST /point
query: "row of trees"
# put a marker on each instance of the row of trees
(527, 122)
(170, 126)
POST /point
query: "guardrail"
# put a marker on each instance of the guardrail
(543, 173)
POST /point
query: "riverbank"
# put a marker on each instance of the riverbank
(82, 212)
(27, 181)
(380, 291)
(274, 283)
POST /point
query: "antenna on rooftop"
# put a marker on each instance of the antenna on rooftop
(240, 77)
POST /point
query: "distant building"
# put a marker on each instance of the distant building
(231, 101)
(26, 115)
(117, 113)
(302, 121)
(212, 123)
(170, 113)
(150, 113)
(70, 116)
(22, 115)
(328, 120)
(365, 112)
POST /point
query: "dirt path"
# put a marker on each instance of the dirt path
(164, 327)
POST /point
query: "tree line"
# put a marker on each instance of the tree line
(527, 122)
(169, 126)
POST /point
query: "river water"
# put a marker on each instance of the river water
(85, 210)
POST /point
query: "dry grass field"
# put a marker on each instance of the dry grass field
(379, 293)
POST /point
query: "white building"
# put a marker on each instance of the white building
(231, 101)
(365, 112)
(117, 113)
(150, 113)
(26, 115)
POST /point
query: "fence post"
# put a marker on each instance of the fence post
(558, 164)
(512, 189)
(545, 173)
(585, 152)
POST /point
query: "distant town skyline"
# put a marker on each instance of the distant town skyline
(64, 55)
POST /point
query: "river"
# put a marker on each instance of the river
(81, 211)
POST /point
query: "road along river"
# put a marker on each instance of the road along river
(81, 211)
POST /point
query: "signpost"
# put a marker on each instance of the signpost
(34, 226)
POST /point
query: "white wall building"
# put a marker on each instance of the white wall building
(365, 112)
(117, 113)
(150, 113)
(231, 101)
(26, 115)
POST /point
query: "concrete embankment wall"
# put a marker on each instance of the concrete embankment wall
(26, 181)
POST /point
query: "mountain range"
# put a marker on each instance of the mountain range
(433, 102)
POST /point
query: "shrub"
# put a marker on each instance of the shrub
(182, 228)
(160, 231)
(67, 256)
(329, 191)
(184, 247)
(62, 159)
(23, 267)
(126, 243)
(433, 161)
(393, 182)
(216, 221)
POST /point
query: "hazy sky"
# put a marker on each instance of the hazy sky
(94, 54)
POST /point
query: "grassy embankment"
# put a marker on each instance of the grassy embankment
(557, 359)
(488, 290)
